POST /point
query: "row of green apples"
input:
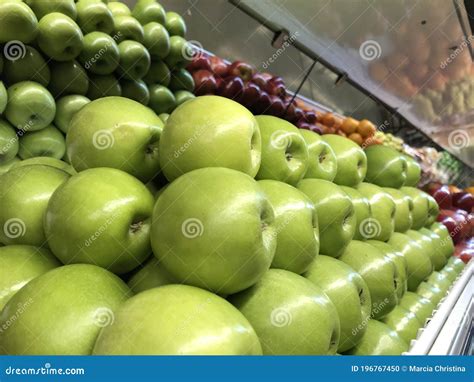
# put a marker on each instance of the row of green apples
(215, 227)
(111, 50)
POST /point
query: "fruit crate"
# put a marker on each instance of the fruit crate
(450, 330)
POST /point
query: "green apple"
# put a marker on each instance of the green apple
(351, 160)
(158, 74)
(180, 53)
(348, 292)
(100, 54)
(134, 60)
(59, 37)
(161, 99)
(381, 225)
(361, 208)
(420, 206)
(152, 275)
(66, 108)
(456, 263)
(413, 172)
(430, 292)
(47, 142)
(175, 24)
(19, 23)
(182, 96)
(69, 78)
(290, 315)
(322, 162)
(433, 210)
(419, 265)
(116, 132)
(136, 90)
(214, 228)
(3, 97)
(399, 262)
(8, 142)
(46, 161)
(181, 79)
(119, 9)
(447, 245)
(5, 167)
(284, 151)
(94, 16)
(29, 67)
(164, 117)
(386, 167)
(403, 322)
(103, 86)
(449, 272)
(440, 280)
(202, 324)
(210, 131)
(128, 28)
(438, 256)
(147, 11)
(429, 247)
(62, 311)
(379, 339)
(42, 8)
(420, 306)
(20, 264)
(24, 196)
(296, 224)
(30, 106)
(157, 40)
(336, 216)
(116, 239)
(403, 209)
(378, 271)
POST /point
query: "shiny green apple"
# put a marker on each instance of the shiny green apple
(5, 167)
(433, 210)
(147, 11)
(42, 8)
(28, 67)
(182, 96)
(296, 224)
(419, 265)
(59, 37)
(362, 210)
(210, 131)
(30, 106)
(134, 60)
(94, 16)
(115, 132)
(19, 264)
(157, 40)
(379, 339)
(381, 224)
(202, 323)
(24, 195)
(103, 86)
(127, 28)
(420, 206)
(438, 257)
(429, 247)
(403, 209)
(284, 150)
(440, 280)
(290, 315)
(386, 167)
(61, 312)
(66, 108)
(69, 78)
(378, 271)
(181, 79)
(447, 245)
(119, 9)
(348, 292)
(8, 142)
(420, 306)
(47, 142)
(100, 216)
(175, 24)
(413, 172)
(404, 322)
(100, 54)
(3, 97)
(46, 161)
(351, 160)
(19, 23)
(152, 275)
(456, 263)
(214, 228)
(430, 292)
(136, 90)
(162, 100)
(322, 162)
(158, 74)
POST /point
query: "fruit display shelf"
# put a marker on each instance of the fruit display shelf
(450, 330)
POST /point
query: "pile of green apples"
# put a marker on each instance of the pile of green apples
(217, 232)
(56, 56)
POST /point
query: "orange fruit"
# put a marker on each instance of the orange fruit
(470, 190)
(378, 71)
(337, 122)
(357, 138)
(366, 128)
(328, 119)
(454, 189)
(349, 125)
